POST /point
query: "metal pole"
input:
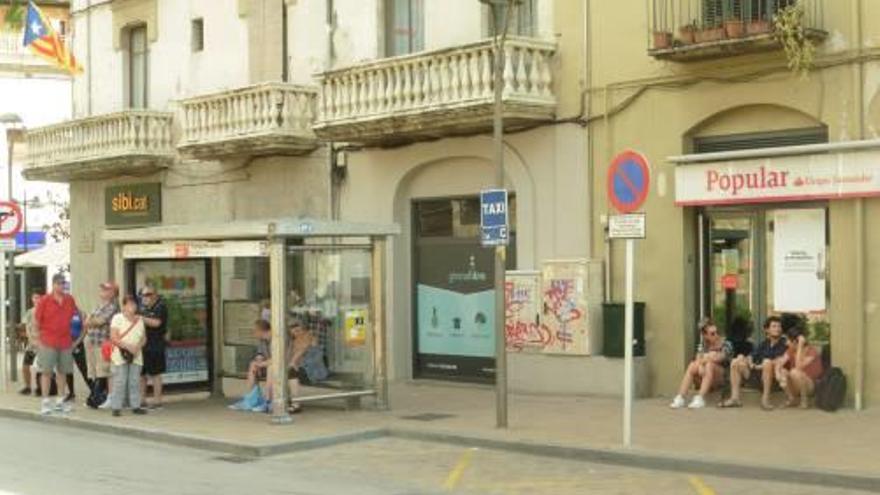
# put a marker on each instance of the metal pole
(500, 251)
(380, 356)
(628, 349)
(4, 357)
(12, 292)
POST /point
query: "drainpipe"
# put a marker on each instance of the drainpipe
(285, 75)
(861, 292)
(88, 57)
(587, 105)
(337, 173)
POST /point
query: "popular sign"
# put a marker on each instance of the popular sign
(790, 178)
(628, 181)
(493, 217)
(133, 204)
(11, 219)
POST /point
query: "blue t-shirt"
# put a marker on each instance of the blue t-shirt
(76, 326)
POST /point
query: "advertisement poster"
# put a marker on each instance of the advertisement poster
(523, 297)
(455, 317)
(183, 286)
(564, 311)
(356, 327)
(238, 322)
(799, 260)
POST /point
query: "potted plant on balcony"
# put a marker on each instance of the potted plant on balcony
(662, 40)
(791, 32)
(14, 17)
(734, 27)
(710, 33)
(687, 33)
(758, 26)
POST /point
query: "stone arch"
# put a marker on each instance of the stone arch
(754, 118)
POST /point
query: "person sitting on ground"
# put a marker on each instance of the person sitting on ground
(128, 335)
(799, 369)
(304, 353)
(764, 358)
(260, 363)
(707, 368)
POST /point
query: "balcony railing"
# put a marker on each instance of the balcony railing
(100, 146)
(686, 30)
(271, 118)
(13, 53)
(433, 94)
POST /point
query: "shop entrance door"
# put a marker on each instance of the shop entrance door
(763, 261)
(454, 296)
(185, 286)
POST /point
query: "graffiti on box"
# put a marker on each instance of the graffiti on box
(547, 314)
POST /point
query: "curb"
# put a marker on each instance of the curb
(640, 459)
(196, 442)
(657, 461)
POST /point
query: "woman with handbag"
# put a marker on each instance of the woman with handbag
(127, 338)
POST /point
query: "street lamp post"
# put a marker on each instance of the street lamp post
(12, 122)
(500, 11)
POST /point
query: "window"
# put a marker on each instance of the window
(197, 33)
(404, 27)
(137, 67)
(715, 12)
(522, 19)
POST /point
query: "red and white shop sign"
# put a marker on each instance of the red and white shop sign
(779, 179)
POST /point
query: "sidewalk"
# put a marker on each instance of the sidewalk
(845, 441)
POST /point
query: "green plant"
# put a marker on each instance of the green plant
(820, 332)
(720, 315)
(14, 18)
(791, 32)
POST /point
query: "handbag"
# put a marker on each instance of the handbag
(107, 346)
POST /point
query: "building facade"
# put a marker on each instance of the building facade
(763, 180)
(381, 111)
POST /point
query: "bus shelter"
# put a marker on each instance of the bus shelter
(218, 279)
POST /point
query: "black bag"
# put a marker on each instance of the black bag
(831, 390)
(127, 356)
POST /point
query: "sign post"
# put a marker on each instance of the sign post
(628, 183)
(494, 232)
(11, 220)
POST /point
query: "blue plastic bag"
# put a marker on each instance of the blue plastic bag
(252, 400)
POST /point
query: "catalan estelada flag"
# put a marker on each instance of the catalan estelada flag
(45, 41)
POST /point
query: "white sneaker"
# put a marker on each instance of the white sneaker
(59, 404)
(678, 402)
(697, 402)
(46, 407)
(105, 405)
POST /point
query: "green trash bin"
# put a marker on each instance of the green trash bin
(613, 320)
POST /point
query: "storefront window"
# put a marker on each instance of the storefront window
(244, 291)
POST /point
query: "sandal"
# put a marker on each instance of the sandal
(767, 407)
(791, 403)
(294, 409)
(729, 403)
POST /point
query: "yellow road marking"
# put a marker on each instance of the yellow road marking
(700, 487)
(458, 471)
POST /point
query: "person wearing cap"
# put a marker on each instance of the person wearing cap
(53, 316)
(97, 332)
(155, 316)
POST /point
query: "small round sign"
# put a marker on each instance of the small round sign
(11, 219)
(628, 181)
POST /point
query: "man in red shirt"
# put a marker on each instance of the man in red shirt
(52, 316)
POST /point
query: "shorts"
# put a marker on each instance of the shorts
(95, 364)
(53, 359)
(154, 362)
(29, 358)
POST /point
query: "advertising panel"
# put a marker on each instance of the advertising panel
(799, 260)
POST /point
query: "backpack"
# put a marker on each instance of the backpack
(831, 390)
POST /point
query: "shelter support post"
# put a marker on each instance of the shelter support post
(278, 365)
(380, 357)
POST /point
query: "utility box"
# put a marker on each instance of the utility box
(613, 321)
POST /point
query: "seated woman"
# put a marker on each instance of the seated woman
(799, 369)
(260, 362)
(707, 368)
(306, 363)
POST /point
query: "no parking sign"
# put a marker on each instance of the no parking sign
(628, 181)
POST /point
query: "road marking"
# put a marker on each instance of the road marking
(458, 471)
(700, 487)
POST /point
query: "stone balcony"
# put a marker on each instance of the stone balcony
(264, 119)
(434, 94)
(127, 142)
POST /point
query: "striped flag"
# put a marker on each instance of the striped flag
(45, 41)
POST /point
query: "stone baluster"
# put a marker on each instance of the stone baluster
(508, 70)
(521, 80)
(407, 93)
(546, 76)
(487, 61)
(445, 83)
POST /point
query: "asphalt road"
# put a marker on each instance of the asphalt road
(43, 459)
